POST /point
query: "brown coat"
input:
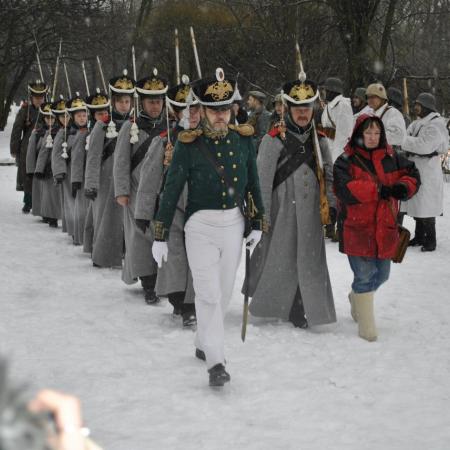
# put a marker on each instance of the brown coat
(23, 126)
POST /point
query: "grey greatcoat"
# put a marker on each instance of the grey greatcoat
(61, 166)
(107, 215)
(35, 144)
(138, 261)
(174, 276)
(292, 254)
(51, 194)
(78, 158)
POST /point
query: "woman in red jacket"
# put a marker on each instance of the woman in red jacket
(369, 180)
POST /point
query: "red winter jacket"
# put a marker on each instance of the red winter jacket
(367, 226)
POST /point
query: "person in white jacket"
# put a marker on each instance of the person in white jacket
(392, 118)
(337, 124)
(426, 141)
(359, 103)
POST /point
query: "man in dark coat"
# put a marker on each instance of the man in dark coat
(26, 119)
(259, 117)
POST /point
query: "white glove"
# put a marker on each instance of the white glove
(252, 239)
(159, 252)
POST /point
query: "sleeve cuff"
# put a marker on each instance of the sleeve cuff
(160, 232)
(260, 224)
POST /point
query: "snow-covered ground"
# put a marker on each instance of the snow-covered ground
(67, 325)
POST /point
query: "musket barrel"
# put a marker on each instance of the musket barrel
(177, 56)
(67, 81)
(101, 73)
(194, 46)
(85, 78)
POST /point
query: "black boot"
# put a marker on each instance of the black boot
(189, 316)
(53, 223)
(418, 233)
(218, 376)
(429, 232)
(148, 284)
(176, 299)
(297, 313)
(27, 203)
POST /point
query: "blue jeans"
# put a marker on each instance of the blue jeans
(369, 273)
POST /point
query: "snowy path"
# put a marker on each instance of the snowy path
(67, 325)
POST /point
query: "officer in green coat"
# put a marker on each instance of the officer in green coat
(26, 120)
(218, 163)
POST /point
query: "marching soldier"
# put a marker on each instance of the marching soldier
(35, 144)
(26, 120)
(132, 145)
(107, 248)
(426, 141)
(259, 117)
(395, 99)
(61, 160)
(289, 274)
(96, 107)
(51, 194)
(337, 125)
(392, 118)
(174, 279)
(359, 103)
(337, 117)
(218, 164)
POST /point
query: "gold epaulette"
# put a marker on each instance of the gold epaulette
(188, 136)
(244, 129)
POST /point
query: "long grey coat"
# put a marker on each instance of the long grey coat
(138, 261)
(78, 158)
(174, 276)
(292, 254)
(107, 215)
(35, 143)
(51, 194)
(64, 166)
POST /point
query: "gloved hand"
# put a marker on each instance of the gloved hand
(399, 191)
(159, 252)
(76, 186)
(30, 176)
(59, 178)
(91, 194)
(252, 239)
(143, 224)
(39, 175)
(385, 192)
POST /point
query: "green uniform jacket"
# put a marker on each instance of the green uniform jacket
(205, 189)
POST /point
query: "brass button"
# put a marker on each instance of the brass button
(224, 206)
(224, 194)
(235, 178)
(222, 167)
(231, 153)
(235, 204)
(234, 166)
(219, 154)
(216, 142)
(223, 181)
(228, 141)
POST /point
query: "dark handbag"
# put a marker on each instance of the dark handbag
(403, 233)
(243, 207)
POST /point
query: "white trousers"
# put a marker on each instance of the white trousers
(214, 246)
